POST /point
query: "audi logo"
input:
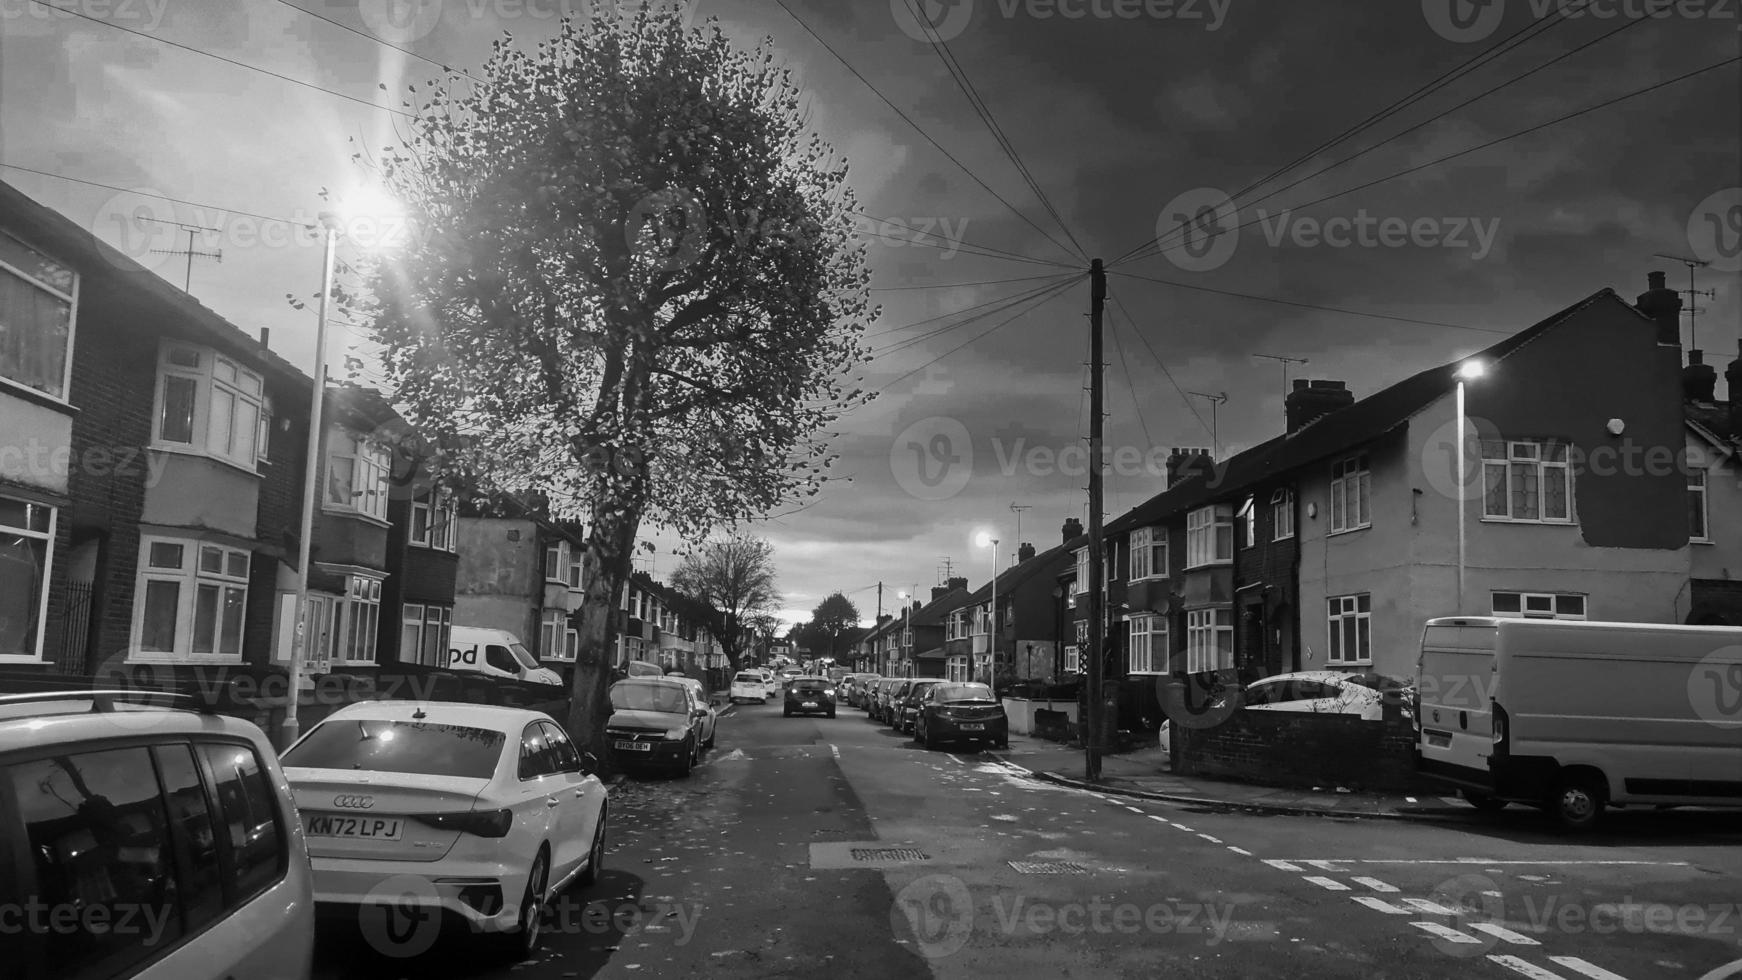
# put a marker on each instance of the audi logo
(354, 802)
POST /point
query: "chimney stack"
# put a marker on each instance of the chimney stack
(939, 591)
(1073, 530)
(1185, 463)
(958, 583)
(1733, 378)
(1025, 552)
(1313, 400)
(1664, 305)
(266, 337)
(1699, 379)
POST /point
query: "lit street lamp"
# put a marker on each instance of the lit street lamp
(1467, 371)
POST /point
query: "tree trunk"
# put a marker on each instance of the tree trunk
(604, 569)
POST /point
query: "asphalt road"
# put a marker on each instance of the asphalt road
(834, 848)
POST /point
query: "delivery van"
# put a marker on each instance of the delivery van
(498, 654)
(1575, 716)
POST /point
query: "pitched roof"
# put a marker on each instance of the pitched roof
(1714, 417)
(933, 612)
(1340, 431)
(1010, 578)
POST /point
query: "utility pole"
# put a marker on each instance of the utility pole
(1017, 509)
(1215, 425)
(1093, 708)
(1693, 295)
(190, 251)
(1286, 361)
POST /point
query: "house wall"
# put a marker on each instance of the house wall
(1722, 559)
(199, 492)
(31, 433)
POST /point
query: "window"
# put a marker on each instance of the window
(1081, 585)
(209, 404)
(1539, 605)
(555, 563)
(1148, 644)
(571, 645)
(1282, 514)
(958, 669)
(1073, 660)
(37, 299)
(550, 633)
(1526, 480)
(26, 549)
(356, 475)
(362, 619)
(1249, 521)
(1109, 564)
(424, 634)
(250, 813)
(1148, 553)
(434, 521)
(576, 579)
(1209, 640)
(1350, 623)
(1210, 536)
(536, 757)
(1351, 490)
(194, 596)
(1698, 529)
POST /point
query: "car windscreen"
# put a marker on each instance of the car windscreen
(747, 679)
(410, 747)
(962, 692)
(629, 696)
(524, 655)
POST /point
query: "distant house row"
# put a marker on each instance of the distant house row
(1603, 484)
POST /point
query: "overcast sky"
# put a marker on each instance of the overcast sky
(1127, 113)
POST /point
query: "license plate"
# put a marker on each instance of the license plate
(973, 726)
(356, 828)
(633, 746)
(808, 704)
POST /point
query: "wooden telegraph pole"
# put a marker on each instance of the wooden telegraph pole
(1093, 723)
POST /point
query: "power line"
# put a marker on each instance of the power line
(942, 316)
(961, 285)
(1056, 292)
(1306, 306)
(916, 127)
(1136, 401)
(970, 247)
(1120, 303)
(1002, 305)
(383, 42)
(219, 57)
(154, 197)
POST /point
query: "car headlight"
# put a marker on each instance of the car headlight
(676, 733)
(829, 691)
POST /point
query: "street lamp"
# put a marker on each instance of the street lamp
(1467, 371)
(992, 621)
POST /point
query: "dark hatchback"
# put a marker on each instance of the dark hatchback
(810, 696)
(958, 712)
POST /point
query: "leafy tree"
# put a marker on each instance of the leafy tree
(731, 582)
(633, 288)
(831, 621)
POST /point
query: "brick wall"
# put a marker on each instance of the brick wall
(1302, 750)
(280, 513)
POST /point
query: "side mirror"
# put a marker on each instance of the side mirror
(589, 762)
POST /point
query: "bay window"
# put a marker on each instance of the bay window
(362, 623)
(192, 600)
(424, 634)
(1282, 514)
(27, 533)
(1350, 622)
(1210, 536)
(38, 297)
(1351, 492)
(434, 521)
(1209, 639)
(555, 563)
(550, 633)
(209, 404)
(1148, 644)
(1148, 553)
(356, 475)
(1528, 480)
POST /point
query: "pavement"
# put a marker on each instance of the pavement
(1147, 774)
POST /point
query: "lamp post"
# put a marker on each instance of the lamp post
(1467, 371)
(991, 620)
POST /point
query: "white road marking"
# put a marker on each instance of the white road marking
(1159, 818)
(834, 750)
(1131, 808)
(1240, 851)
(1501, 932)
(1282, 865)
(1375, 884)
(1330, 884)
(1185, 828)
(1323, 865)
(1441, 932)
(1209, 838)
(1379, 905)
(1526, 968)
(1431, 908)
(1489, 861)
(1579, 966)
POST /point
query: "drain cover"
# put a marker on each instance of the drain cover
(842, 855)
(1048, 868)
(888, 854)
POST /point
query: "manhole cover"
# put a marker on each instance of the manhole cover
(888, 854)
(1048, 868)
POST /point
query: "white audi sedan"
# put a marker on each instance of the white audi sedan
(462, 815)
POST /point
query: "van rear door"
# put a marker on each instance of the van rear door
(1456, 687)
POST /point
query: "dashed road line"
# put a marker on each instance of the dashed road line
(1209, 838)
(1329, 884)
(1441, 932)
(1380, 905)
(1583, 968)
(1503, 933)
(1525, 968)
(1431, 908)
(834, 750)
(1240, 851)
(1282, 865)
(1134, 809)
(1323, 865)
(1374, 883)
(1486, 861)
(1185, 828)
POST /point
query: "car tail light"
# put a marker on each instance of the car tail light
(1500, 726)
(478, 823)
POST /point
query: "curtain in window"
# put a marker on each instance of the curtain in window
(34, 328)
(22, 561)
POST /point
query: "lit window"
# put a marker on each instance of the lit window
(193, 599)
(1527, 480)
(37, 297)
(552, 626)
(1350, 619)
(1249, 521)
(1351, 490)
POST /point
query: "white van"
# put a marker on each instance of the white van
(1573, 716)
(498, 654)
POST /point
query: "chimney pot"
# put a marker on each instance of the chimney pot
(1663, 305)
(1654, 280)
(266, 337)
(1025, 552)
(1312, 400)
(1072, 530)
(1301, 384)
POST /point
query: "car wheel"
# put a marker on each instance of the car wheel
(926, 738)
(518, 945)
(786, 712)
(831, 712)
(1482, 801)
(1578, 803)
(595, 856)
(689, 758)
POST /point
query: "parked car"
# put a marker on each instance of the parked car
(886, 695)
(809, 696)
(860, 692)
(906, 703)
(655, 721)
(492, 807)
(1314, 691)
(952, 712)
(770, 684)
(642, 668)
(749, 687)
(498, 654)
(711, 723)
(86, 779)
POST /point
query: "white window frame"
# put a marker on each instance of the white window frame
(360, 623)
(556, 561)
(551, 625)
(70, 297)
(411, 628)
(1081, 585)
(1248, 517)
(1340, 610)
(370, 466)
(1552, 600)
(214, 376)
(576, 569)
(1073, 660)
(1205, 536)
(1205, 647)
(1698, 498)
(190, 577)
(1148, 644)
(1351, 494)
(956, 669)
(1531, 453)
(1282, 514)
(439, 515)
(44, 532)
(1148, 549)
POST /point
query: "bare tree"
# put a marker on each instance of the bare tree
(732, 581)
